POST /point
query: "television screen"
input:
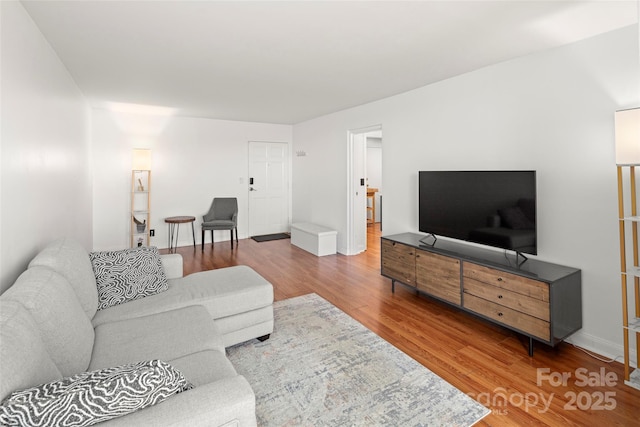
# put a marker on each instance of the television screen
(494, 208)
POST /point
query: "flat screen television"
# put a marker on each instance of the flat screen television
(494, 208)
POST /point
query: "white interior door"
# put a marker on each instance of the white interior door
(358, 194)
(268, 188)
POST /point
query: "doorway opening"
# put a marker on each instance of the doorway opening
(364, 186)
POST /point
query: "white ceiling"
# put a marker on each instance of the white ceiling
(286, 62)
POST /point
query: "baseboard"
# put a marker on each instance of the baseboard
(606, 349)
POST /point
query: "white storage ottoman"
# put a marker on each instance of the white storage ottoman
(314, 238)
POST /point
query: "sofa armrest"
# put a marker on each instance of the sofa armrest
(229, 401)
(172, 264)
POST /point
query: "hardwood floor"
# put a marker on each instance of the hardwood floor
(486, 361)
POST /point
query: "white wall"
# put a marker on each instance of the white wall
(46, 172)
(194, 160)
(551, 111)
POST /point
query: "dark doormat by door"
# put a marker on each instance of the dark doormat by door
(268, 237)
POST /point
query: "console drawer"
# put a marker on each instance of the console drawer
(399, 262)
(398, 252)
(518, 284)
(528, 324)
(519, 302)
(438, 275)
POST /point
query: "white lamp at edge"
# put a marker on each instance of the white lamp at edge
(141, 159)
(628, 137)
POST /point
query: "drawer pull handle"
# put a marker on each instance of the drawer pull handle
(499, 296)
(499, 314)
(499, 279)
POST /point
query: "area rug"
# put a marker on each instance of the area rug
(323, 368)
(269, 237)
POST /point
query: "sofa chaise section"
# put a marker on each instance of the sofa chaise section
(237, 298)
(241, 302)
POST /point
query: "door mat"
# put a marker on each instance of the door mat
(268, 237)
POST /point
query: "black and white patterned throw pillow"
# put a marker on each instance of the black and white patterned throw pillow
(92, 397)
(127, 275)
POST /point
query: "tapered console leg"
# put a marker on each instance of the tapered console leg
(530, 347)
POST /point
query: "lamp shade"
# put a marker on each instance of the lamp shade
(141, 159)
(628, 137)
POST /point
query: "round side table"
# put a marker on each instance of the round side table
(174, 226)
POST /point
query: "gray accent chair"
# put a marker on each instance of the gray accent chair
(222, 215)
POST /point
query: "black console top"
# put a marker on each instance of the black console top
(502, 260)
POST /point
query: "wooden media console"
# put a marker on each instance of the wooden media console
(540, 300)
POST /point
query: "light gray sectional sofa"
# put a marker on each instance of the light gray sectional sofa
(51, 329)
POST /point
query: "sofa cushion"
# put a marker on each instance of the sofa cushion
(127, 275)
(237, 289)
(64, 327)
(68, 258)
(91, 397)
(164, 336)
(245, 326)
(172, 265)
(24, 361)
(229, 402)
(204, 367)
(224, 292)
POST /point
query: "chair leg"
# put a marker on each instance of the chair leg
(202, 241)
(231, 238)
(211, 238)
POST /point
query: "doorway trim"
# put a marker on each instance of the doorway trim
(353, 246)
